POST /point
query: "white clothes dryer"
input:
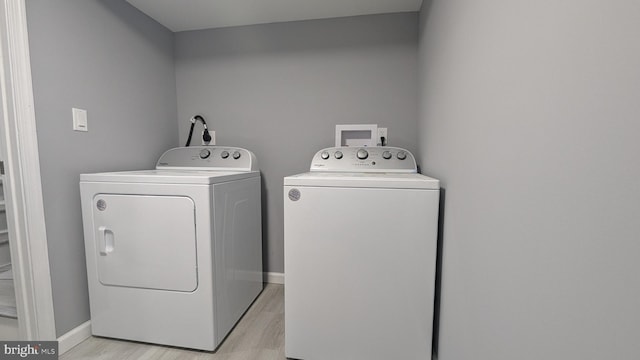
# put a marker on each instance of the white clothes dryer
(360, 239)
(174, 255)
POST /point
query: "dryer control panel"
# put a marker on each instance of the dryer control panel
(208, 158)
(364, 159)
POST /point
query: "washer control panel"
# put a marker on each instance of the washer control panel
(208, 158)
(364, 159)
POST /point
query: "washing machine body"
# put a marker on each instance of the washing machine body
(360, 256)
(174, 255)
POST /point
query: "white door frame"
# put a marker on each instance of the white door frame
(23, 187)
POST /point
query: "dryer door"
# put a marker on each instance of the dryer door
(145, 241)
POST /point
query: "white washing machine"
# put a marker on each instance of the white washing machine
(360, 239)
(174, 255)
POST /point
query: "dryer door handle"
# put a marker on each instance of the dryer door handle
(105, 240)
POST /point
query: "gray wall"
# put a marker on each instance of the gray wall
(107, 58)
(280, 89)
(530, 116)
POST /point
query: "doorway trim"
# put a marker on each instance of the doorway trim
(23, 187)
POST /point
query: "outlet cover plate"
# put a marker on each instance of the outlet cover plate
(382, 132)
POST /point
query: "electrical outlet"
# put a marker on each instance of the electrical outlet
(382, 133)
(212, 133)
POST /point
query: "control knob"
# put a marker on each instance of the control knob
(324, 155)
(204, 153)
(338, 155)
(401, 155)
(236, 155)
(224, 154)
(362, 154)
(386, 155)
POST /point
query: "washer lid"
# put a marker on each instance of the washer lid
(363, 180)
(169, 176)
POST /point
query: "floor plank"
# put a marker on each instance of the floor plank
(8, 329)
(258, 335)
(7, 294)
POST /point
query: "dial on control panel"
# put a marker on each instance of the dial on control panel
(401, 155)
(386, 155)
(224, 154)
(236, 155)
(338, 155)
(324, 155)
(362, 154)
(204, 153)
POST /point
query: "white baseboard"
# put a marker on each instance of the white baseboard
(274, 278)
(74, 337)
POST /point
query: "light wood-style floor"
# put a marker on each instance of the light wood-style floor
(7, 295)
(8, 314)
(258, 336)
